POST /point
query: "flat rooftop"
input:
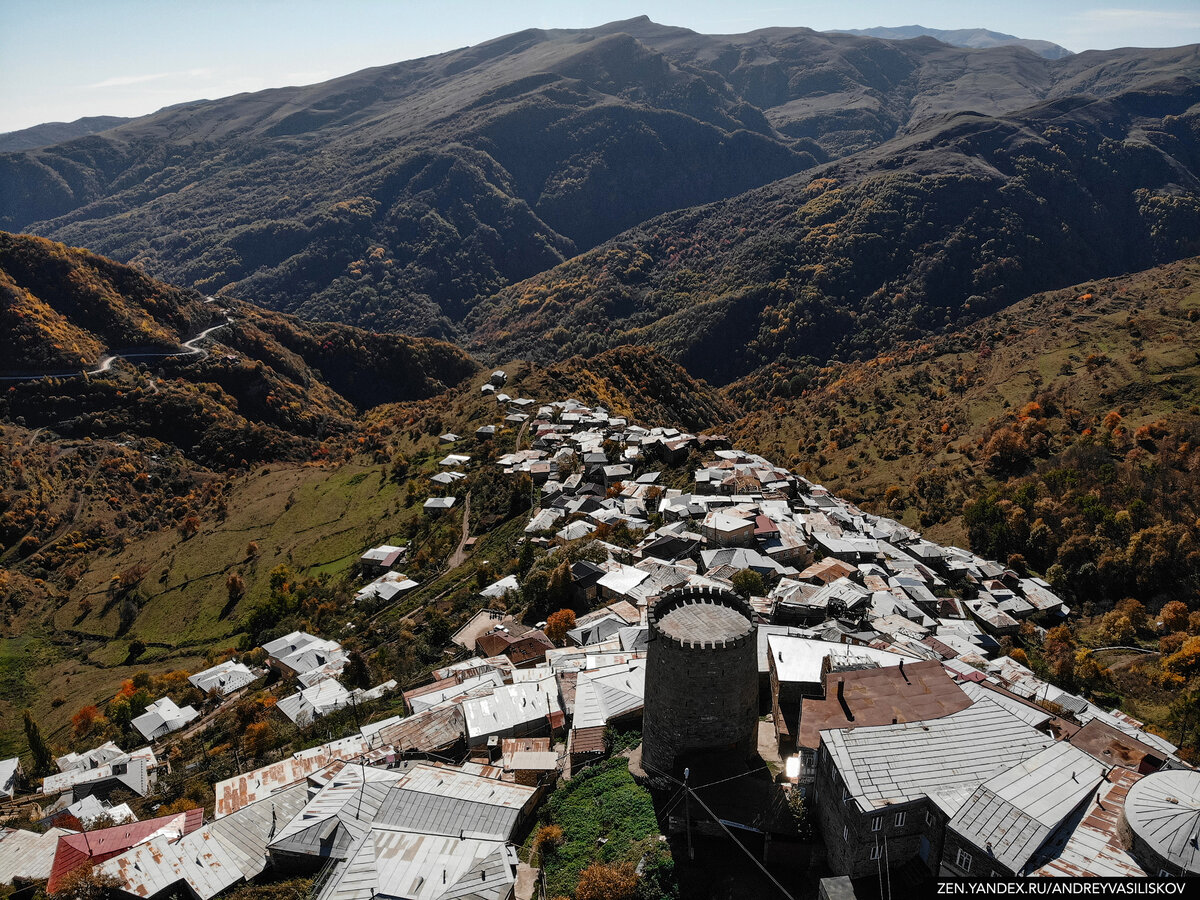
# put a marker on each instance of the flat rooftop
(704, 622)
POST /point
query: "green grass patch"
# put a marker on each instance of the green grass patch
(602, 802)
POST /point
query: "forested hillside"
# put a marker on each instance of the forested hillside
(1059, 435)
(263, 385)
(928, 231)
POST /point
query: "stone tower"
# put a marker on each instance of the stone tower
(701, 678)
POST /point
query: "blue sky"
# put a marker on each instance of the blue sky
(62, 59)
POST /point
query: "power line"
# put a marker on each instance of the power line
(732, 836)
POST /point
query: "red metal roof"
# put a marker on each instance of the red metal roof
(91, 847)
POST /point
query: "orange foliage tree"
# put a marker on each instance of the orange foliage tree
(558, 624)
(600, 881)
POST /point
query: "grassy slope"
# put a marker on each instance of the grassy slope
(865, 427)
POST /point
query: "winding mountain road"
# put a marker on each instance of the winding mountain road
(187, 348)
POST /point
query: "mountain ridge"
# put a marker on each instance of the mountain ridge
(975, 38)
(398, 197)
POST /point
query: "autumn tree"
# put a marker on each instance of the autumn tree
(1174, 616)
(84, 721)
(258, 738)
(1058, 649)
(548, 839)
(601, 881)
(558, 624)
(235, 586)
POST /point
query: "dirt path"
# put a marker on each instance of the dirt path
(459, 556)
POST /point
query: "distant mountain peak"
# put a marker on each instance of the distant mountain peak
(973, 38)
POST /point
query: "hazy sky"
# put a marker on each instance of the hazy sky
(62, 59)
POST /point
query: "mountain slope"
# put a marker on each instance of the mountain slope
(975, 38)
(934, 228)
(56, 132)
(396, 197)
(272, 387)
(1062, 430)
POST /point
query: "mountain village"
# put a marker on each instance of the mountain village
(821, 686)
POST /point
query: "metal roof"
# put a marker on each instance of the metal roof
(224, 678)
(27, 854)
(1163, 810)
(1091, 847)
(439, 800)
(1015, 811)
(801, 658)
(921, 692)
(198, 859)
(247, 832)
(510, 707)
(76, 850)
(392, 863)
(605, 694)
(1026, 712)
(241, 790)
(338, 814)
(952, 755)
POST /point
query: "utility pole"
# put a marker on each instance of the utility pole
(687, 812)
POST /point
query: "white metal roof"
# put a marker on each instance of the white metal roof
(510, 707)
(604, 694)
(27, 854)
(800, 658)
(955, 754)
(224, 677)
(394, 863)
(1163, 809)
(1016, 810)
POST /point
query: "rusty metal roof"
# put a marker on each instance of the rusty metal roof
(242, 790)
(1091, 846)
(920, 691)
(201, 861)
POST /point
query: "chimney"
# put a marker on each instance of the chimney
(841, 695)
(902, 675)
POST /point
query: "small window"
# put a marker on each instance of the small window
(845, 795)
(845, 832)
(1163, 873)
(928, 817)
(877, 823)
(963, 860)
(901, 818)
(876, 852)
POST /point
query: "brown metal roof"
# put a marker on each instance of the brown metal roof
(1116, 748)
(919, 692)
(587, 740)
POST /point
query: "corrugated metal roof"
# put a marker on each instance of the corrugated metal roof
(605, 694)
(423, 867)
(75, 850)
(441, 800)
(27, 854)
(247, 832)
(897, 763)
(197, 859)
(1015, 811)
(432, 730)
(242, 790)
(338, 815)
(509, 708)
(1031, 715)
(1091, 847)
